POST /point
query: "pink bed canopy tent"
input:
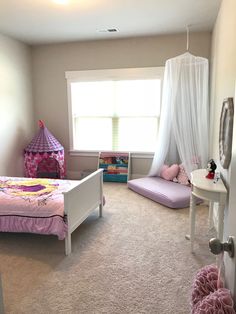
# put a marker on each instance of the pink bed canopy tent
(44, 156)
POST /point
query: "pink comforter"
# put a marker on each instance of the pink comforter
(33, 205)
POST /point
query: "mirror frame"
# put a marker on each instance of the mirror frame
(226, 131)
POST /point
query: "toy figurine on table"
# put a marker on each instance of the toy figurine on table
(211, 168)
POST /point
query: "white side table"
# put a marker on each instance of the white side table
(208, 190)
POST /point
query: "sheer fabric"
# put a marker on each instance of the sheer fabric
(184, 120)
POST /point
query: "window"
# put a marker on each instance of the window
(119, 113)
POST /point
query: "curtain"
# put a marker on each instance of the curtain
(184, 120)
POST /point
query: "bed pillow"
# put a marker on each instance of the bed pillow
(169, 173)
(182, 176)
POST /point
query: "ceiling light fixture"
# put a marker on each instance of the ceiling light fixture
(112, 30)
(109, 30)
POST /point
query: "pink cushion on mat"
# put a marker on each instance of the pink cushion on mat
(169, 173)
(165, 192)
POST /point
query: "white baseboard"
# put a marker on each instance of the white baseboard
(137, 176)
(74, 175)
(78, 175)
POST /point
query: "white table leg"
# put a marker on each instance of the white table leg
(220, 221)
(210, 217)
(192, 219)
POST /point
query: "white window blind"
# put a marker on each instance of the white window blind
(115, 114)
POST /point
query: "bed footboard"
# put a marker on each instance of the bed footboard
(81, 200)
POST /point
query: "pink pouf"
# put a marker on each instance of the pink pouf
(218, 302)
(208, 294)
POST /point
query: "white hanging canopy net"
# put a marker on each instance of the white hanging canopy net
(184, 121)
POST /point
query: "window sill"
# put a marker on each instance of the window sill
(137, 155)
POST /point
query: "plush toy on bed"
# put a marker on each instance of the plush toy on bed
(211, 168)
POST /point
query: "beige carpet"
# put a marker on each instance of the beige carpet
(133, 260)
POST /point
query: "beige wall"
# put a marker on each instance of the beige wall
(16, 109)
(51, 61)
(222, 86)
(223, 71)
(223, 66)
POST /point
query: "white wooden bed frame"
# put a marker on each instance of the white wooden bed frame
(80, 201)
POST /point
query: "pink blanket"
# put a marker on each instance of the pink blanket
(33, 205)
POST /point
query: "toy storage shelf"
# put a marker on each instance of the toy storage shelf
(115, 165)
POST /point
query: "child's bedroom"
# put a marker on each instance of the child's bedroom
(118, 157)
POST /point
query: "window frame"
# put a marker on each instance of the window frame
(102, 75)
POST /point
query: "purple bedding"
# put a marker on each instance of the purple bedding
(50, 225)
(33, 205)
(168, 193)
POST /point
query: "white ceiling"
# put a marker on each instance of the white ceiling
(43, 21)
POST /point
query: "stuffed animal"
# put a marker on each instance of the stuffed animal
(211, 168)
